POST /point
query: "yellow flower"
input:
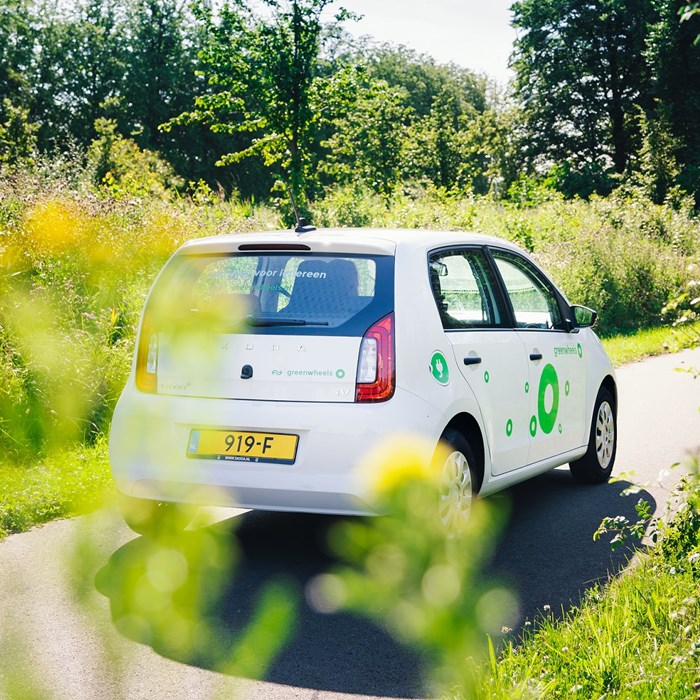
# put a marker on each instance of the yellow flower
(53, 226)
(400, 458)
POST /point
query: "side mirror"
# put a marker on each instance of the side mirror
(585, 317)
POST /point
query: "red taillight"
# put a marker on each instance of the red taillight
(147, 358)
(376, 372)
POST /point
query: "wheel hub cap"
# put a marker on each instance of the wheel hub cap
(456, 492)
(604, 434)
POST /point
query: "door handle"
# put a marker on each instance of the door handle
(535, 356)
(472, 360)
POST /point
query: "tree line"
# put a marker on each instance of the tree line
(278, 95)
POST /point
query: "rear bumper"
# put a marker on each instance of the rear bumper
(150, 434)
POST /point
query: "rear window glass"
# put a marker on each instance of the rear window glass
(280, 293)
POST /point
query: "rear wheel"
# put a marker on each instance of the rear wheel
(457, 480)
(595, 467)
(147, 517)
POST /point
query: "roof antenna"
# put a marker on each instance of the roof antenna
(303, 226)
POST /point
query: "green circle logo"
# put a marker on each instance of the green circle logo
(560, 429)
(580, 350)
(340, 373)
(533, 426)
(509, 427)
(567, 387)
(548, 418)
(487, 377)
(527, 387)
(439, 368)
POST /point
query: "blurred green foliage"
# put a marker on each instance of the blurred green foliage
(167, 590)
(416, 575)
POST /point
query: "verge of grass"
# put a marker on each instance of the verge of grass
(67, 483)
(639, 638)
(648, 342)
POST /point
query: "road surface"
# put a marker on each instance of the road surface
(58, 639)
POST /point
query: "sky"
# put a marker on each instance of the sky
(475, 34)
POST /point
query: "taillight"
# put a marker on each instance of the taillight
(376, 373)
(147, 358)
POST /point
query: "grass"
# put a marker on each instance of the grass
(638, 638)
(632, 347)
(67, 483)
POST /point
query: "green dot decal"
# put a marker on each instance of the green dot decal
(560, 429)
(439, 368)
(580, 350)
(527, 387)
(533, 426)
(487, 376)
(340, 373)
(548, 418)
(567, 388)
(509, 427)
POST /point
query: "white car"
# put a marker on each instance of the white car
(268, 364)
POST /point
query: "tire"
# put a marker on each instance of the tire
(458, 480)
(595, 467)
(147, 517)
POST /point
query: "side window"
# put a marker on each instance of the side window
(534, 303)
(464, 289)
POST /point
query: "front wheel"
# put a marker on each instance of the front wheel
(595, 467)
(457, 481)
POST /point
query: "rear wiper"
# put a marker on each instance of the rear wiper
(261, 321)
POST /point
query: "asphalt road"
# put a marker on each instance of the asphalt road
(61, 584)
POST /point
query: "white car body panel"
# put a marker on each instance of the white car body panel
(287, 368)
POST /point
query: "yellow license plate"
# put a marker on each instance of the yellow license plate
(240, 446)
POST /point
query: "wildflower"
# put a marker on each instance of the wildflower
(399, 459)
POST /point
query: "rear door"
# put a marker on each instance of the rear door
(488, 351)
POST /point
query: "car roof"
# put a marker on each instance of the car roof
(378, 241)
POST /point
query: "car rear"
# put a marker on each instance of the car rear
(265, 367)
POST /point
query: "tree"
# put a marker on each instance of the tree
(17, 39)
(17, 134)
(581, 77)
(261, 71)
(161, 81)
(88, 80)
(369, 121)
(674, 57)
(425, 81)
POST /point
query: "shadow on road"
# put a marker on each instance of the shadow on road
(332, 652)
(546, 554)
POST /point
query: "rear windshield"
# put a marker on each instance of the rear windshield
(275, 293)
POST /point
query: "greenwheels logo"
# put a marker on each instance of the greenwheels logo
(549, 386)
(439, 368)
